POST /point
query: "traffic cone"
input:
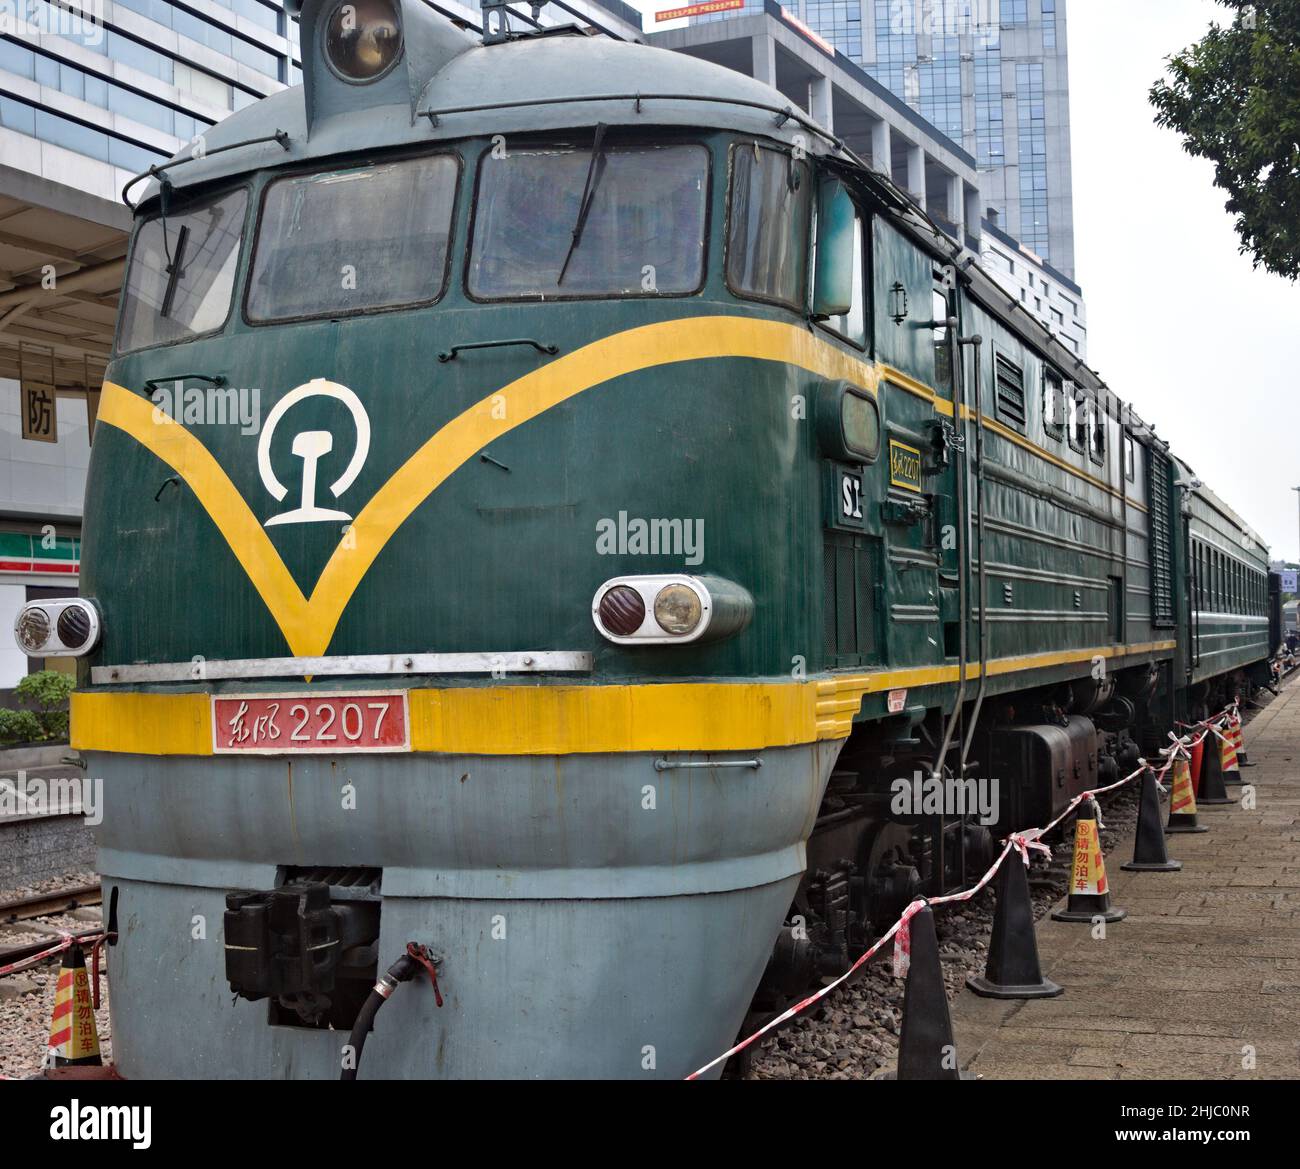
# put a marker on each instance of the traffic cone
(1013, 971)
(1182, 803)
(1239, 742)
(1089, 893)
(1219, 753)
(1149, 852)
(74, 1039)
(925, 1045)
(1198, 752)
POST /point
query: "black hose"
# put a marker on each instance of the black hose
(400, 971)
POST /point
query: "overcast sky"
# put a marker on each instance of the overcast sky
(1179, 324)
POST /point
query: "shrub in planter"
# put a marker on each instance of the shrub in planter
(47, 691)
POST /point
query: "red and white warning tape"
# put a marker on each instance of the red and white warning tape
(1022, 842)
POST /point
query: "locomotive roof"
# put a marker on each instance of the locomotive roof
(563, 82)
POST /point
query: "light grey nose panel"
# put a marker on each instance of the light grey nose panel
(597, 917)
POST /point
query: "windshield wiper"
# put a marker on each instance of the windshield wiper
(594, 170)
(174, 270)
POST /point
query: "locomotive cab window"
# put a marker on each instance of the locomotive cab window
(767, 225)
(608, 220)
(839, 290)
(182, 273)
(942, 343)
(347, 241)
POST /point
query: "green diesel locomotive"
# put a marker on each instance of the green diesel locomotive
(547, 495)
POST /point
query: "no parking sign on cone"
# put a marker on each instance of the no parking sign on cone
(1089, 892)
(74, 1039)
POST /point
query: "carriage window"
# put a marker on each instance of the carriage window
(345, 241)
(1080, 421)
(182, 273)
(1053, 403)
(1130, 459)
(767, 227)
(616, 221)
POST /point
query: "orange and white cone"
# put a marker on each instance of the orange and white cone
(1089, 892)
(74, 1038)
(1220, 762)
(1228, 749)
(1240, 743)
(1182, 801)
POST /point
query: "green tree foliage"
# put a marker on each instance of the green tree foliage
(47, 691)
(1234, 96)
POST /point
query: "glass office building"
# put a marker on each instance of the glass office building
(989, 74)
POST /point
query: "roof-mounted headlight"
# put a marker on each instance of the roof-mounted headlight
(670, 609)
(363, 38)
(57, 629)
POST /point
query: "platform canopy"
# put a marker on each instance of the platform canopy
(61, 261)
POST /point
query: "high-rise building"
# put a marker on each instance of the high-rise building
(992, 76)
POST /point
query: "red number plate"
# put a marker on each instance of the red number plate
(274, 724)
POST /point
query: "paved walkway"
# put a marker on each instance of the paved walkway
(1206, 964)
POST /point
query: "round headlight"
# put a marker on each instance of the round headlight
(363, 38)
(677, 609)
(622, 610)
(74, 626)
(32, 630)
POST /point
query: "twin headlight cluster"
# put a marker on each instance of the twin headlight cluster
(64, 628)
(671, 609)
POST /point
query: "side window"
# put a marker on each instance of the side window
(1053, 403)
(942, 346)
(1097, 447)
(1130, 458)
(852, 326)
(767, 225)
(1009, 391)
(1079, 416)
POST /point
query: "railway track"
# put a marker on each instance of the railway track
(48, 904)
(22, 917)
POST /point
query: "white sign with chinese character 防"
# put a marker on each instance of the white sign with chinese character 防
(40, 415)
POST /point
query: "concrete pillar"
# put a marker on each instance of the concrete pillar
(764, 56)
(819, 103)
(882, 154)
(974, 212)
(956, 211)
(916, 172)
